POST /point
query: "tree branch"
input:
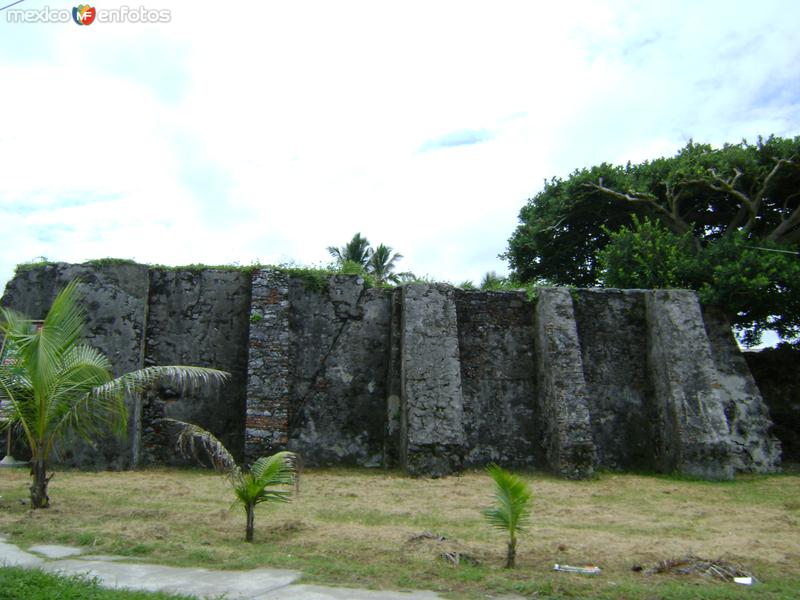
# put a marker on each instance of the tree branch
(793, 219)
(786, 204)
(737, 220)
(727, 187)
(768, 178)
(676, 223)
(782, 231)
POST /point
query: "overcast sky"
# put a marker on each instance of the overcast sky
(242, 132)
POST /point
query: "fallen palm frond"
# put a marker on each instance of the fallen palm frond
(425, 535)
(458, 558)
(694, 565)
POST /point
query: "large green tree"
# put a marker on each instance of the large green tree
(724, 207)
(53, 385)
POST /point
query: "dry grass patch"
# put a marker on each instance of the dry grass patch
(357, 527)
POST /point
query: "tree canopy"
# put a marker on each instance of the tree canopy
(724, 221)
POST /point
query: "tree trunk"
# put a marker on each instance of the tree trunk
(251, 517)
(39, 497)
(511, 557)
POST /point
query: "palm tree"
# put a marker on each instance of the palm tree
(512, 509)
(491, 281)
(356, 250)
(382, 263)
(251, 487)
(52, 385)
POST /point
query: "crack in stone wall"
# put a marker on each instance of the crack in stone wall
(339, 388)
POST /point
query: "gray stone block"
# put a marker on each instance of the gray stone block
(431, 404)
(754, 448)
(563, 401)
(693, 432)
(612, 331)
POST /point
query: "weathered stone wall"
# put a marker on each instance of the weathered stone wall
(426, 377)
(562, 394)
(431, 402)
(754, 447)
(115, 299)
(198, 318)
(340, 355)
(693, 431)
(612, 330)
(269, 366)
(393, 425)
(498, 378)
(776, 372)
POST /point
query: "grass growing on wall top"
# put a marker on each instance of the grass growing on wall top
(314, 277)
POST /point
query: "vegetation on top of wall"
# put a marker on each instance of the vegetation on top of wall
(110, 262)
(314, 277)
(36, 263)
(492, 282)
(200, 267)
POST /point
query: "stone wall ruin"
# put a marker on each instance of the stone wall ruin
(426, 377)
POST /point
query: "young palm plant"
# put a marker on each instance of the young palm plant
(53, 385)
(251, 487)
(512, 509)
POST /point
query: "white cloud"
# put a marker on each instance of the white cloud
(290, 126)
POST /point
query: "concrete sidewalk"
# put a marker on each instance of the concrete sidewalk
(258, 584)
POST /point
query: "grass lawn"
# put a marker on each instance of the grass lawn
(25, 584)
(356, 527)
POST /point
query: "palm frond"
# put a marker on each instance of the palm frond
(512, 496)
(87, 415)
(184, 378)
(383, 262)
(278, 469)
(196, 442)
(62, 327)
(82, 369)
(357, 250)
(13, 326)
